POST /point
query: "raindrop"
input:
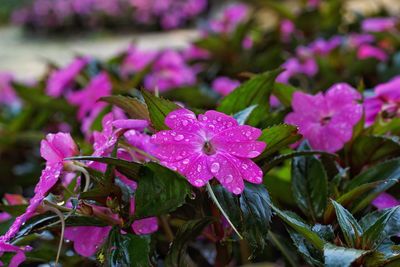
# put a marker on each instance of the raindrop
(237, 190)
(253, 154)
(215, 167)
(179, 137)
(228, 178)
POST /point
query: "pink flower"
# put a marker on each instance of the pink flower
(4, 216)
(7, 94)
(58, 146)
(378, 24)
(195, 53)
(356, 39)
(18, 258)
(224, 85)
(294, 66)
(53, 149)
(63, 79)
(211, 145)
(384, 201)
(140, 141)
(136, 60)
(366, 51)
(324, 47)
(326, 120)
(386, 100)
(229, 18)
(169, 71)
(287, 29)
(86, 98)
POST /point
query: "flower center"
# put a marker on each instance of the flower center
(325, 120)
(208, 149)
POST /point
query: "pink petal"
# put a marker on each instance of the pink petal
(48, 152)
(308, 104)
(87, 239)
(238, 134)
(198, 173)
(341, 94)
(249, 170)
(66, 146)
(175, 137)
(384, 201)
(145, 226)
(224, 169)
(182, 120)
(216, 122)
(173, 152)
(249, 149)
(131, 124)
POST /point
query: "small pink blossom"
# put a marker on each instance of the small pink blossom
(378, 24)
(354, 40)
(7, 94)
(386, 100)
(58, 146)
(136, 60)
(294, 66)
(169, 71)
(195, 53)
(212, 145)
(61, 80)
(87, 98)
(366, 51)
(287, 29)
(4, 216)
(140, 141)
(224, 85)
(229, 18)
(384, 201)
(326, 120)
(324, 47)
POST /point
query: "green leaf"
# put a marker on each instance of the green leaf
(375, 233)
(340, 256)
(284, 93)
(307, 251)
(392, 227)
(278, 137)
(126, 249)
(367, 150)
(309, 184)
(192, 96)
(250, 212)
(158, 108)
(177, 255)
(255, 91)
(359, 195)
(160, 190)
(242, 116)
(349, 225)
(132, 106)
(300, 227)
(14, 210)
(127, 168)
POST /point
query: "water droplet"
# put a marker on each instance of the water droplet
(215, 167)
(237, 190)
(179, 137)
(253, 154)
(248, 133)
(198, 182)
(199, 168)
(205, 118)
(185, 161)
(172, 116)
(228, 178)
(244, 166)
(185, 122)
(173, 133)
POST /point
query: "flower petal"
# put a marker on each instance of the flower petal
(175, 137)
(249, 170)
(145, 226)
(182, 120)
(216, 122)
(250, 149)
(198, 173)
(87, 239)
(172, 152)
(238, 134)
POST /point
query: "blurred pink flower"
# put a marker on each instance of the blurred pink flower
(326, 120)
(58, 146)
(324, 47)
(384, 201)
(224, 85)
(366, 51)
(211, 145)
(354, 40)
(169, 71)
(195, 53)
(136, 60)
(287, 29)
(229, 18)
(7, 94)
(293, 66)
(87, 97)
(60, 80)
(378, 24)
(18, 258)
(386, 99)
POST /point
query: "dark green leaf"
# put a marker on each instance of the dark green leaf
(177, 255)
(158, 108)
(243, 115)
(307, 251)
(309, 184)
(255, 91)
(349, 225)
(132, 106)
(126, 249)
(278, 137)
(284, 93)
(160, 191)
(340, 256)
(14, 210)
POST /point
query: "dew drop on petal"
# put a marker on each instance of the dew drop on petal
(253, 154)
(179, 137)
(172, 116)
(228, 178)
(215, 167)
(237, 190)
(199, 168)
(185, 122)
(244, 166)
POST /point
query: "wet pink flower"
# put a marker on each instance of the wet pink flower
(169, 71)
(87, 239)
(366, 51)
(19, 256)
(386, 100)
(229, 18)
(7, 94)
(61, 80)
(53, 149)
(224, 85)
(212, 145)
(384, 201)
(87, 98)
(378, 24)
(326, 120)
(136, 60)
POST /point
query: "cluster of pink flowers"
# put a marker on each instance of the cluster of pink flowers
(52, 14)
(229, 18)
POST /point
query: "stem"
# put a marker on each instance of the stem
(282, 248)
(166, 228)
(59, 214)
(215, 200)
(78, 167)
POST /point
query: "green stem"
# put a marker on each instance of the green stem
(282, 248)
